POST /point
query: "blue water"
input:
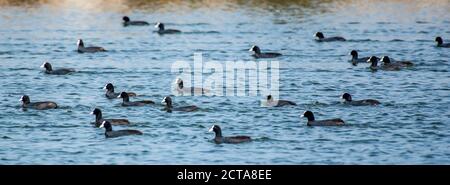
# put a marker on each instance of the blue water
(410, 127)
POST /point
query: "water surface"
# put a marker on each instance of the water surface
(410, 127)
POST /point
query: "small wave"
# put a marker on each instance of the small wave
(20, 68)
(66, 85)
(324, 70)
(313, 104)
(384, 23)
(438, 70)
(422, 40)
(246, 32)
(102, 72)
(361, 40)
(193, 24)
(322, 139)
(6, 53)
(421, 22)
(264, 138)
(397, 40)
(364, 141)
(243, 23)
(280, 22)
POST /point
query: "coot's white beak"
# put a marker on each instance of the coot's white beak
(43, 65)
(178, 80)
(21, 99)
(211, 129)
(104, 87)
(120, 96)
(92, 112)
(102, 125)
(157, 25)
(303, 115)
(163, 101)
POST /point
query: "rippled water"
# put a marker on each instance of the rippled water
(410, 127)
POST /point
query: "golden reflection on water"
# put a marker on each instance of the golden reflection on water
(161, 5)
(158, 5)
(170, 5)
(389, 9)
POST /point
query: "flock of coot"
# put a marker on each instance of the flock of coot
(387, 63)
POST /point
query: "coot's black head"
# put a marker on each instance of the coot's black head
(179, 82)
(167, 101)
(439, 40)
(255, 49)
(319, 35)
(216, 130)
(123, 95)
(109, 87)
(385, 60)
(126, 19)
(269, 98)
(106, 125)
(308, 114)
(354, 54)
(346, 97)
(96, 112)
(160, 26)
(25, 99)
(373, 60)
(80, 43)
(47, 66)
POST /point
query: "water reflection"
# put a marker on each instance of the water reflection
(168, 5)
(392, 8)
